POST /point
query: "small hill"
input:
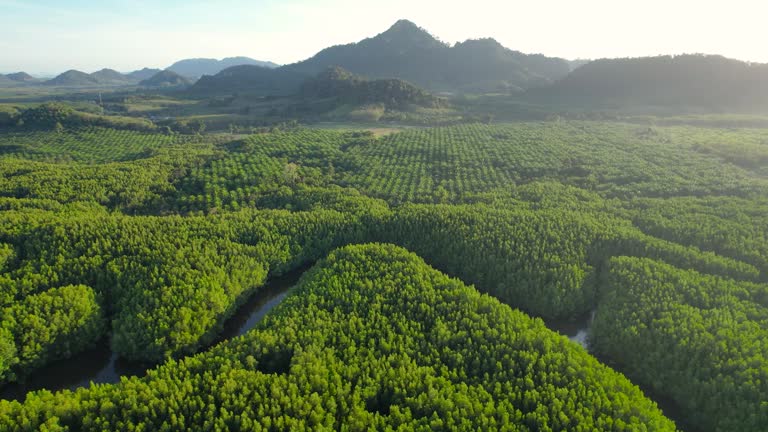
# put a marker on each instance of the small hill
(143, 74)
(251, 80)
(72, 78)
(695, 81)
(165, 78)
(347, 88)
(110, 77)
(195, 68)
(21, 77)
(52, 114)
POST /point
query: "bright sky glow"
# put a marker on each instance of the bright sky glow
(50, 36)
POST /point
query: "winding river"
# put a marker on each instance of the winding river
(100, 365)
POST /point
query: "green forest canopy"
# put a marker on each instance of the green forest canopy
(161, 236)
(371, 339)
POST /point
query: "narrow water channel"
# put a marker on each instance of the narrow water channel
(100, 365)
(576, 330)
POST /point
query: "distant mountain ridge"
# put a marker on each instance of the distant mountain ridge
(691, 80)
(408, 52)
(412, 55)
(251, 80)
(103, 77)
(195, 68)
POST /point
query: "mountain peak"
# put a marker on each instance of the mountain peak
(410, 53)
(406, 34)
(404, 24)
(408, 28)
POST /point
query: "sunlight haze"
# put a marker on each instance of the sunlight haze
(128, 35)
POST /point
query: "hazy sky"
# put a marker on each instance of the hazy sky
(50, 36)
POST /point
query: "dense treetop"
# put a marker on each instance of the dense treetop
(698, 338)
(371, 339)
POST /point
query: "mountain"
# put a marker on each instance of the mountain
(695, 81)
(165, 78)
(251, 80)
(409, 52)
(403, 51)
(110, 77)
(195, 68)
(21, 77)
(348, 88)
(72, 78)
(484, 64)
(143, 74)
